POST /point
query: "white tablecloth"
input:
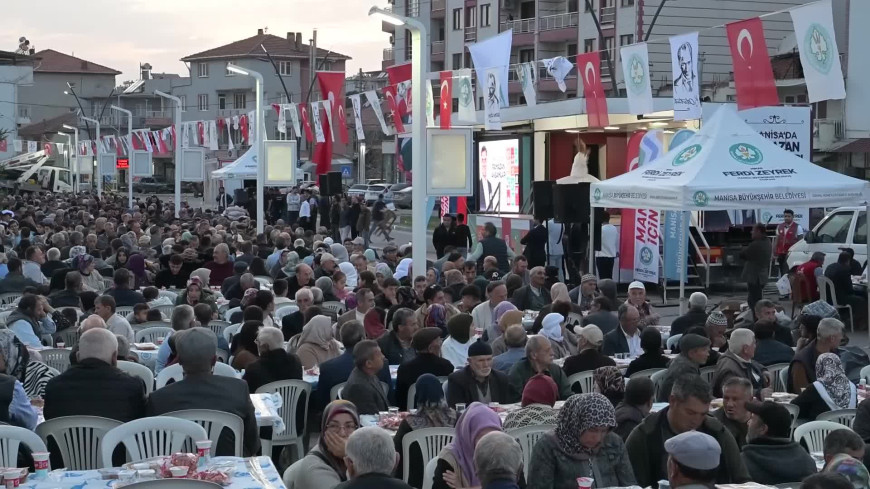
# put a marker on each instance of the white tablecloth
(249, 472)
(146, 357)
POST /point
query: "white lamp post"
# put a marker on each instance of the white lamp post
(74, 151)
(259, 134)
(419, 67)
(99, 177)
(177, 144)
(68, 155)
(130, 154)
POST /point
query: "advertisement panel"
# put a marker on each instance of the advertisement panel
(499, 173)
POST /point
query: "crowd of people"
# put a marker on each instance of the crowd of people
(478, 326)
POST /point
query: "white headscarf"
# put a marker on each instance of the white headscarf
(552, 326)
(402, 269)
(349, 272)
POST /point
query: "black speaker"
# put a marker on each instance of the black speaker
(571, 203)
(323, 183)
(330, 183)
(543, 199)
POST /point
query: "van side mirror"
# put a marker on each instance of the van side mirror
(809, 237)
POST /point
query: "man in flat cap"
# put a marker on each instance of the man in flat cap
(694, 350)
(693, 460)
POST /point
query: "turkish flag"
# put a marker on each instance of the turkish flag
(393, 104)
(94, 150)
(200, 129)
(243, 127)
(323, 151)
(342, 123)
(306, 122)
(47, 147)
(753, 75)
(332, 89)
(589, 67)
(4, 146)
(277, 108)
(400, 74)
(446, 100)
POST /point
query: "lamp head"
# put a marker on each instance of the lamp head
(67, 126)
(386, 16)
(237, 69)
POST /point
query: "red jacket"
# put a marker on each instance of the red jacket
(808, 269)
(786, 236)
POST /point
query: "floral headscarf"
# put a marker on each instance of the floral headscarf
(830, 373)
(82, 262)
(610, 382)
(384, 269)
(437, 317)
(582, 412)
(432, 409)
(14, 353)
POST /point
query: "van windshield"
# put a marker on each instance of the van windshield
(835, 229)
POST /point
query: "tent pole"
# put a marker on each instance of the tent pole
(682, 254)
(592, 240)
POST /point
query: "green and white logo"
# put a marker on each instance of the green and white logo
(646, 256)
(637, 75)
(817, 46)
(597, 194)
(746, 153)
(700, 198)
(686, 155)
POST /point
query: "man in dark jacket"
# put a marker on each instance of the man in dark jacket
(337, 370)
(478, 381)
(196, 350)
(694, 350)
(239, 269)
(768, 350)
(396, 344)
(756, 264)
(625, 338)
(536, 245)
(771, 456)
(589, 339)
(15, 281)
(363, 388)
(535, 295)
(697, 315)
(69, 296)
(274, 363)
(174, 277)
(95, 386)
(427, 343)
(687, 410)
(121, 292)
(636, 405)
(736, 392)
(443, 235)
(738, 362)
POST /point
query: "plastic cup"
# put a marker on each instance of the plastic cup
(41, 464)
(12, 478)
(178, 472)
(61, 344)
(203, 452)
(393, 410)
(585, 482)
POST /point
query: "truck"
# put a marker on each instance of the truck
(30, 172)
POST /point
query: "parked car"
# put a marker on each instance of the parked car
(151, 185)
(391, 191)
(843, 227)
(357, 190)
(402, 198)
(374, 191)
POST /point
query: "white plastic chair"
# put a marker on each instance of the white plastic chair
(794, 411)
(11, 437)
(231, 331)
(151, 437)
(673, 341)
(648, 373)
(430, 440)
(226, 370)
(166, 310)
(291, 392)
(173, 372)
(151, 324)
(813, 434)
(264, 279)
(230, 312)
(845, 417)
(139, 370)
(527, 437)
(151, 335)
(335, 391)
(585, 379)
(168, 293)
(429, 474)
(10, 298)
(123, 311)
(217, 326)
(657, 379)
(56, 358)
(214, 423)
(783, 379)
(865, 373)
(826, 285)
(707, 374)
(335, 307)
(78, 438)
(412, 393)
(284, 309)
(775, 369)
(69, 337)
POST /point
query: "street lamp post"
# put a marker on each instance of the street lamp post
(259, 134)
(130, 154)
(99, 177)
(177, 143)
(76, 175)
(419, 67)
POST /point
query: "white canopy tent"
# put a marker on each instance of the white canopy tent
(728, 165)
(245, 167)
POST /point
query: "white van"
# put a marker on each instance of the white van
(844, 227)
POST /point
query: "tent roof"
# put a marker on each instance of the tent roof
(244, 167)
(728, 165)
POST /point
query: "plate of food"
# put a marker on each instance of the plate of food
(145, 346)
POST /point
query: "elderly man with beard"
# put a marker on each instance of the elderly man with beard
(478, 382)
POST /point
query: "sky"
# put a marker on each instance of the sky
(122, 33)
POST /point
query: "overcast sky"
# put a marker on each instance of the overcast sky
(122, 33)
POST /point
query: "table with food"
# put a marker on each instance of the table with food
(312, 375)
(147, 353)
(390, 420)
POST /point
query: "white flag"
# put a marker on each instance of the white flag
(635, 72)
(236, 122)
(147, 140)
(315, 121)
(373, 100)
(16, 145)
(327, 107)
(357, 116)
(282, 120)
(464, 90)
(185, 135)
(228, 123)
(527, 74)
(212, 135)
(820, 58)
(492, 102)
(430, 105)
(31, 146)
(252, 130)
(294, 119)
(684, 67)
(558, 68)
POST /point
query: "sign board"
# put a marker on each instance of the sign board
(345, 171)
(448, 162)
(193, 165)
(122, 163)
(498, 164)
(281, 159)
(107, 164)
(141, 164)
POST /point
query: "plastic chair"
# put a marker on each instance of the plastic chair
(673, 341)
(217, 326)
(264, 279)
(172, 372)
(335, 392)
(527, 437)
(813, 434)
(845, 417)
(138, 370)
(783, 379)
(284, 309)
(775, 369)
(584, 379)
(151, 335)
(225, 370)
(825, 286)
(10, 298)
(214, 423)
(78, 438)
(865, 373)
(291, 392)
(431, 441)
(165, 310)
(11, 437)
(69, 337)
(151, 324)
(794, 411)
(173, 296)
(657, 379)
(707, 374)
(123, 311)
(56, 358)
(334, 307)
(231, 331)
(151, 437)
(230, 312)
(573, 320)
(429, 473)
(648, 373)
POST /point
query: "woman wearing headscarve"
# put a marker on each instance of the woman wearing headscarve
(437, 318)
(13, 371)
(316, 343)
(350, 273)
(832, 390)
(195, 294)
(610, 383)
(244, 347)
(371, 257)
(91, 280)
(326, 286)
(581, 445)
(383, 272)
(373, 322)
(539, 396)
(558, 293)
(552, 329)
(432, 412)
(323, 467)
(433, 277)
(287, 265)
(339, 252)
(137, 267)
(456, 460)
(403, 271)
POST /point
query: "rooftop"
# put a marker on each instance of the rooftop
(278, 47)
(47, 126)
(52, 61)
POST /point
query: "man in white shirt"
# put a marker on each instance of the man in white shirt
(104, 306)
(609, 247)
(305, 213)
(481, 315)
(556, 250)
(293, 205)
(30, 268)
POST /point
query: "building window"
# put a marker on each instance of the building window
(626, 3)
(457, 61)
(626, 39)
(284, 68)
(588, 45)
(227, 72)
(571, 51)
(203, 70)
(24, 111)
(240, 101)
(282, 98)
(484, 15)
(457, 19)
(470, 17)
(183, 99)
(222, 101)
(527, 55)
(203, 101)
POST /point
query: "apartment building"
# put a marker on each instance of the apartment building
(16, 70)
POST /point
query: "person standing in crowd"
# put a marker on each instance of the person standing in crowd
(223, 200)
(305, 219)
(606, 257)
(293, 206)
(556, 247)
(444, 235)
(770, 455)
(788, 232)
(462, 239)
(536, 244)
(492, 245)
(364, 223)
(756, 264)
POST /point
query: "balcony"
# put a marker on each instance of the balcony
(437, 51)
(826, 132)
(439, 9)
(156, 118)
(559, 27)
(607, 16)
(520, 26)
(471, 34)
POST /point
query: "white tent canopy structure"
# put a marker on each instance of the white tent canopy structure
(728, 165)
(245, 167)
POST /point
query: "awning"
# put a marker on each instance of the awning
(861, 145)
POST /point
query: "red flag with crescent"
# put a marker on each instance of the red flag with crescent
(589, 66)
(400, 75)
(3, 145)
(753, 74)
(393, 104)
(94, 148)
(47, 147)
(243, 127)
(306, 122)
(200, 130)
(446, 99)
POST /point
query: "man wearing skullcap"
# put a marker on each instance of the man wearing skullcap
(427, 343)
(478, 382)
(694, 350)
(586, 292)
